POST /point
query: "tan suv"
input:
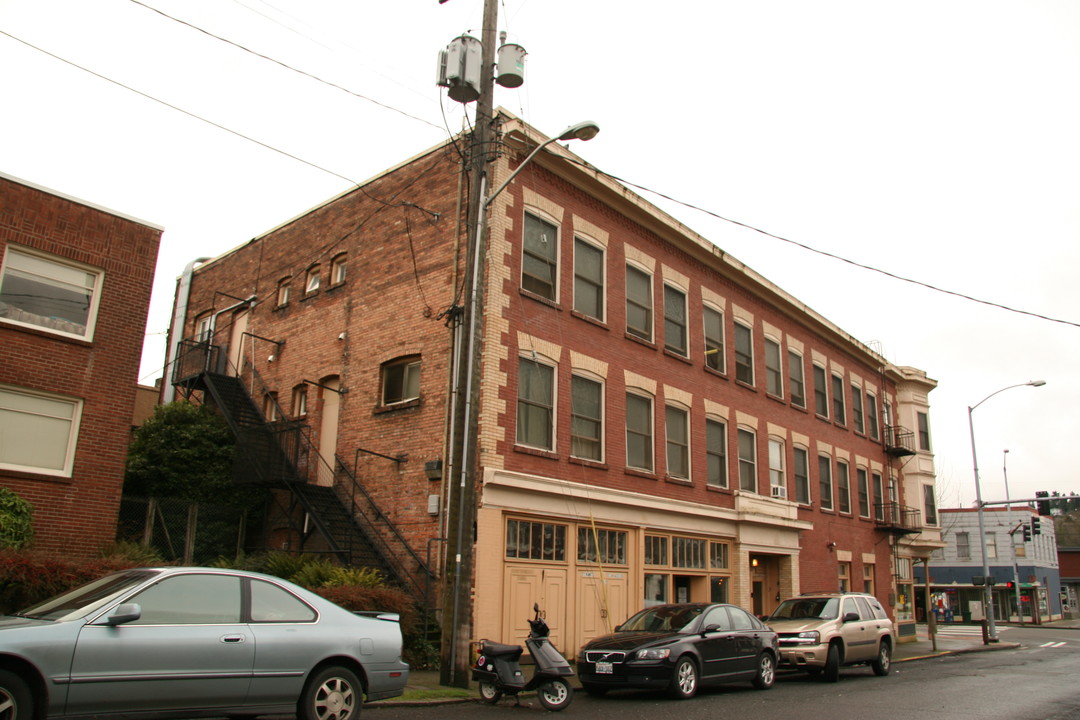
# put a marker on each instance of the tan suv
(820, 632)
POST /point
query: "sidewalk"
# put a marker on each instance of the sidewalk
(424, 688)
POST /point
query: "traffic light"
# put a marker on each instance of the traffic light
(1043, 505)
(1036, 526)
(1027, 533)
(1011, 585)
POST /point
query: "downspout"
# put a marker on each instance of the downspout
(176, 329)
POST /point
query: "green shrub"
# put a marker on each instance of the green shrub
(16, 520)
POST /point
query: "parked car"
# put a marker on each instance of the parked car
(195, 641)
(679, 647)
(820, 632)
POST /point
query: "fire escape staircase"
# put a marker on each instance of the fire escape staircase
(282, 455)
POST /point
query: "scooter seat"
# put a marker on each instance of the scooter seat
(487, 647)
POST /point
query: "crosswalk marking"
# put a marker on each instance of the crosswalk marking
(1052, 644)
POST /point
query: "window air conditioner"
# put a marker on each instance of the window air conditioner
(779, 491)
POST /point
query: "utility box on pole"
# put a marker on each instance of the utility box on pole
(459, 69)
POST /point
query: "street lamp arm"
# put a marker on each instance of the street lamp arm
(1033, 383)
(581, 131)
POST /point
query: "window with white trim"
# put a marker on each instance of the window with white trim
(401, 380)
(863, 488)
(312, 280)
(586, 418)
(38, 431)
(774, 374)
(821, 392)
(714, 339)
(588, 279)
(338, 267)
(540, 257)
(50, 293)
(825, 481)
(744, 354)
(801, 473)
(675, 320)
(536, 404)
(639, 303)
(639, 437)
(776, 463)
(839, 409)
(283, 292)
(716, 453)
(678, 442)
(843, 486)
(747, 460)
(796, 379)
(858, 422)
(872, 415)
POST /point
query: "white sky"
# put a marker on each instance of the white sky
(934, 139)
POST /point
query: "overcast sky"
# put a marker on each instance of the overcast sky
(933, 140)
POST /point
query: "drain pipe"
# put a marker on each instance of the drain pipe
(176, 329)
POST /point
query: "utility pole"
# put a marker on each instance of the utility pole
(464, 458)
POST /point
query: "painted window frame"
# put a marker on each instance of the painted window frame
(582, 282)
(821, 391)
(747, 453)
(531, 280)
(825, 482)
(578, 419)
(800, 470)
(677, 441)
(796, 379)
(676, 326)
(17, 405)
(639, 305)
(400, 380)
(744, 353)
(539, 406)
(714, 338)
(774, 369)
(716, 453)
(645, 437)
(27, 265)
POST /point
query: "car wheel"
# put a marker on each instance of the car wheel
(766, 672)
(883, 662)
(594, 690)
(489, 693)
(832, 664)
(555, 695)
(333, 693)
(685, 680)
(16, 702)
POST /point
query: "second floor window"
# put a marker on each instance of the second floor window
(825, 481)
(401, 380)
(539, 257)
(924, 431)
(678, 443)
(716, 452)
(801, 473)
(639, 443)
(586, 419)
(536, 404)
(747, 460)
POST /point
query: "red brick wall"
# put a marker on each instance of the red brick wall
(399, 279)
(610, 343)
(77, 515)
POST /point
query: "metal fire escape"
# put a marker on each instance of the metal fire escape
(333, 504)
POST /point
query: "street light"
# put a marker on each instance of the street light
(1012, 538)
(988, 600)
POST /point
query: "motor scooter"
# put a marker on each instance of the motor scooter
(499, 673)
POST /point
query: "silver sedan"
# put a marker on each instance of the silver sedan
(195, 641)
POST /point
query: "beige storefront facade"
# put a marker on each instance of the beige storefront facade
(590, 557)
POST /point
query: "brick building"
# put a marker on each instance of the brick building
(658, 422)
(74, 290)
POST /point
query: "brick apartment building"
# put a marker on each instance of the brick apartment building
(658, 422)
(74, 290)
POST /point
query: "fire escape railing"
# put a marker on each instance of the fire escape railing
(897, 518)
(306, 464)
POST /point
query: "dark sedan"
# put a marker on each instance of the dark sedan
(680, 647)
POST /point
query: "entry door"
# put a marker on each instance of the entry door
(545, 587)
(328, 430)
(601, 605)
(236, 342)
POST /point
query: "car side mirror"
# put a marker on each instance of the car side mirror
(711, 628)
(851, 617)
(124, 613)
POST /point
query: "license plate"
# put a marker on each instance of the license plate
(603, 668)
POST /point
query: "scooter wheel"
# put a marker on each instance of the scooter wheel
(555, 695)
(489, 693)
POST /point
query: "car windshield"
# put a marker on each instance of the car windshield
(85, 599)
(663, 618)
(807, 608)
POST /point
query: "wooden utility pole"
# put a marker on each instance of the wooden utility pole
(464, 458)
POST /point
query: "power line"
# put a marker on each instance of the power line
(825, 253)
(286, 66)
